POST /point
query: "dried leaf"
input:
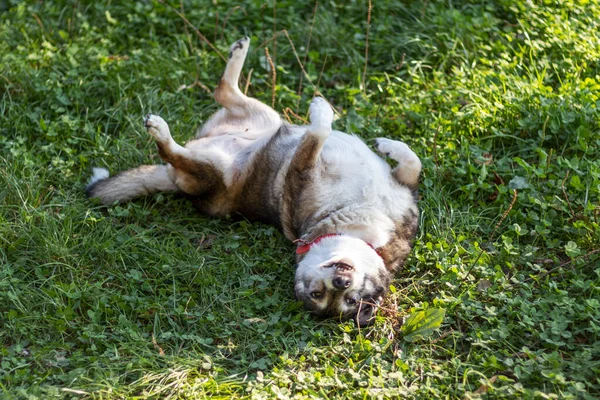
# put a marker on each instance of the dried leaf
(161, 352)
(483, 285)
(485, 387)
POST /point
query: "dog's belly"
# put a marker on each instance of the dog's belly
(233, 143)
(230, 152)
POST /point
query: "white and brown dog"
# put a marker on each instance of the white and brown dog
(352, 216)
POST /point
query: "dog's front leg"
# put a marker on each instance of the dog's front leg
(307, 154)
(409, 166)
(303, 172)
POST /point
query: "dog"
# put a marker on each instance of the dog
(351, 215)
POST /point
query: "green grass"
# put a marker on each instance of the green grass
(151, 300)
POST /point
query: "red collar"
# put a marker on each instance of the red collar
(304, 246)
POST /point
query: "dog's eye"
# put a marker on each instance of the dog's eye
(350, 301)
(316, 295)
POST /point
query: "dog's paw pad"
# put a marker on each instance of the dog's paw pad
(157, 127)
(239, 47)
(321, 113)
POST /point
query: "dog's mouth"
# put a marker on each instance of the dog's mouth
(340, 267)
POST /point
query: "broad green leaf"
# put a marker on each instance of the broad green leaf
(518, 182)
(422, 323)
(572, 249)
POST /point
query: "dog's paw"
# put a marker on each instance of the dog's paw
(157, 127)
(321, 114)
(384, 146)
(239, 48)
(395, 149)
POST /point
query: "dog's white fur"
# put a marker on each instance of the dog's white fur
(98, 174)
(355, 190)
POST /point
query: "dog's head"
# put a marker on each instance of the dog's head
(342, 276)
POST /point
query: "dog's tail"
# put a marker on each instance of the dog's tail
(128, 185)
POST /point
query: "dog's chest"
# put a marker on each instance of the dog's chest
(351, 168)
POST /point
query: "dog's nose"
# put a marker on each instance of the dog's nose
(341, 283)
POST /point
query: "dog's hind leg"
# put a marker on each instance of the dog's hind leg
(409, 166)
(140, 181)
(193, 173)
(303, 171)
(237, 105)
(168, 149)
(228, 93)
(197, 172)
(127, 185)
